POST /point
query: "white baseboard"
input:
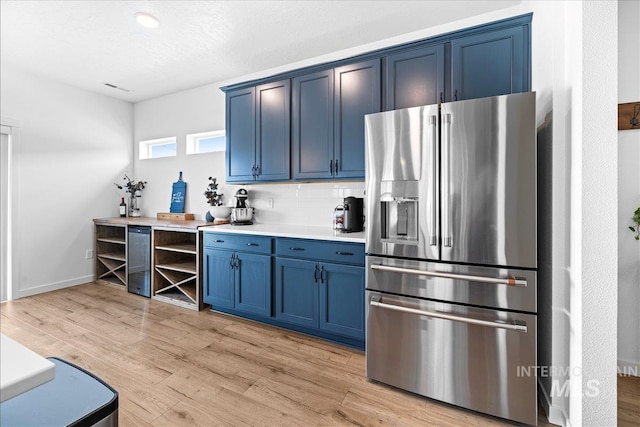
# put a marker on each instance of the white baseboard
(629, 367)
(555, 414)
(21, 293)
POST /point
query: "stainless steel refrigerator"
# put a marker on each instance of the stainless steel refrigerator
(451, 246)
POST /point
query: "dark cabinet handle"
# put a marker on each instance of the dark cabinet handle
(296, 249)
(336, 167)
(315, 274)
(231, 261)
(323, 276)
(218, 241)
(344, 253)
(253, 171)
(331, 166)
(236, 262)
(441, 97)
(253, 244)
(258, 171)
(455, 96)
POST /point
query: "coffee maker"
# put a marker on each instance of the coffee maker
(353, 214)
(242, 213)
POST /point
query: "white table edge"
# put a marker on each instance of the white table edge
(21, 369)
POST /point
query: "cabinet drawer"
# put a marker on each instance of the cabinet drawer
(318, 250)
(238, 242)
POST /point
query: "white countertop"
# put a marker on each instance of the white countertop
(294, 231)
(21, 369)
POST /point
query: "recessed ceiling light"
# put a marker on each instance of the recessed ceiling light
(147, 20)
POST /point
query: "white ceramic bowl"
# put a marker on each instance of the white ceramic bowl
(220, 212)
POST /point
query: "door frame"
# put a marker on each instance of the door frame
(9, 182)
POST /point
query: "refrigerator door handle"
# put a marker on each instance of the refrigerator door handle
(437, 315)
(468, 277)
(446, 208)
(433, 122)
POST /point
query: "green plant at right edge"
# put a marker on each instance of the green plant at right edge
(636, 228)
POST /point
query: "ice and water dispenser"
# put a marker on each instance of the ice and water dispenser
(399, 214)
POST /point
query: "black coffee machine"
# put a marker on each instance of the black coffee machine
(353, 214)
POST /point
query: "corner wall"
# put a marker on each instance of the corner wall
(573, 61)
(73, 145)
(628, 192)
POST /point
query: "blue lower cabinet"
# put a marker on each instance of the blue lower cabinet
(297, 292)
(239, 281)
(218, 278)
(310, 286)
(253, 283)
(342, 300)
(326, 296)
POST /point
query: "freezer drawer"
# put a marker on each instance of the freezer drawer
(494, 287)
(466, 356)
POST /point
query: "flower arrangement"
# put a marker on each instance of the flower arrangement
(211, 193)
(636, 227)
(131, 186)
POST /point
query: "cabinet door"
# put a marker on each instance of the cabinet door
(296, 292)
(342, 299)
(218, 278)
(240, 122)
(273, 159)
(415, 78)
(312, 127)
(490, 64)
(357, 92)
(253, 283)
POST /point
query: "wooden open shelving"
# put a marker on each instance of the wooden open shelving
(176, 278)
(111, 254)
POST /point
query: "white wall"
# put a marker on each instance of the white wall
(191, 111)
(597, 244)
(573, 61)
(628, 191)
(73, 145)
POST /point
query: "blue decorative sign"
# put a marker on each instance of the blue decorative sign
(177, 195)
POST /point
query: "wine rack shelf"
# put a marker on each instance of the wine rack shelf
(175, 257)
(111, 254)
(176, 261)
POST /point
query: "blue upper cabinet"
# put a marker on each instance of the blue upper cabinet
(490, 63)
(258, 123)
(240, 122)
(415, 77)
(309, 125)
(273, 160)
(312, 125)
(357, 93)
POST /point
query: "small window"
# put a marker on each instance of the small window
(206, 142)
(156, 148)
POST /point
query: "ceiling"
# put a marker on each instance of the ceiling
(88, 43)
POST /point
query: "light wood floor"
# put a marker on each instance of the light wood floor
(173, 366)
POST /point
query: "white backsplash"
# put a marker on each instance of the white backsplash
(309, 204)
